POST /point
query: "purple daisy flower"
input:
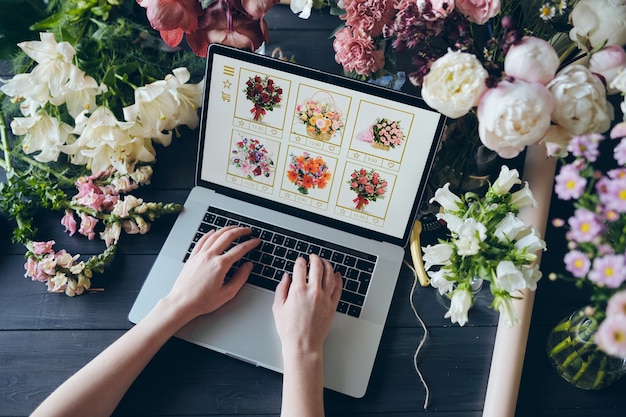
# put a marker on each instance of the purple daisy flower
(617, 304)
(585, 226)
(612, 194)
(619, 152)
(608, 271)
(568, 183)
(577, 263)
(585, 146)
(611, 336)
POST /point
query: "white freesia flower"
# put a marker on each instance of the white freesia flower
(43, 133)
(506, 180)
(79, 93)
(514, 115)
(599, 21)
(47, 49)
(31, 97)
(438, 280)
(507, 311)
(524, 197)
(471, 233)
(438, 254)
(509, 277)
(454, 83)
(189, 97)
(459, 307)
(446, 198)
(509, 228)
(301, 7)
(580, 106)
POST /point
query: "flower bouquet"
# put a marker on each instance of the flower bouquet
(264, 94)
(383, 134)
(307, 172)
(92, 131)
(368, 186)
(321, 118)
(252, 158)
(487, 242)
(589, 348)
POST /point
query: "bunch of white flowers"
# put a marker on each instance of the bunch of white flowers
(487, 241)
(97, 138)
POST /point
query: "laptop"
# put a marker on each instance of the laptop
(314, 163)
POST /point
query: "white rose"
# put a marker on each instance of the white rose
(599, 21)
(514, 115)
(454, 83)
(301, 7)
(580, 104)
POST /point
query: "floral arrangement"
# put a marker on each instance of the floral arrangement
(93, 131)
(307, 172)
(264, 94)
(487, 241)
(252, 158)
(368, 186)
(237, 23)
(321, 118)
(596, 233)
(513, 65)
(384, 134)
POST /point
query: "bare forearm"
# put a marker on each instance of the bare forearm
(303, 386)
(97, 388)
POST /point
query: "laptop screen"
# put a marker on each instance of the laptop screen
(334, 150)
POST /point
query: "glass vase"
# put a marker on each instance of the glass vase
(446, 298)
(575, 356)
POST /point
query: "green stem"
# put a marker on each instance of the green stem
(6, 162)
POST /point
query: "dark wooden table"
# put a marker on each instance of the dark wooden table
(44, 338)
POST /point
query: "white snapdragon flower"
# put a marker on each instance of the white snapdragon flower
(454, 83)
(446, 198)
(459, 307)
(43, 133)
(509, 228)
(471, 233)
(438, 254)
(123, 207)
(505, 181)
(580, 104)
(111, 234)
(509, 277)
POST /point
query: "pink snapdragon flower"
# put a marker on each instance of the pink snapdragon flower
(39, 248)
(87, 226)
(69, 222)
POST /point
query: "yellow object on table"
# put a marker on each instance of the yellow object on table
(415, 247)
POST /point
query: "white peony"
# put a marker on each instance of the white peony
(580, 100)
(514, 115)
(454, 83)
(599, 21)
(532, 60)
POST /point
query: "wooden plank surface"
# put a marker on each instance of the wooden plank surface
(44, 337)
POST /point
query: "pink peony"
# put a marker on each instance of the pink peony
(608, 62)
(533, 60)
(478, 11)
(355, 51)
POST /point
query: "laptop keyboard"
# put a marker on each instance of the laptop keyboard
(281, 247)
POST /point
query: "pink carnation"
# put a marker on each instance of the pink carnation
(355, 51)
(368, 15)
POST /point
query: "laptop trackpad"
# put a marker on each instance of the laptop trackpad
(243, 328)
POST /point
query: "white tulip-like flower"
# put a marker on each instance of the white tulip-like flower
(452, 222)
(506, 310)
(459, 307)
(509, 228)
(454, 83)
(531, 242)
(505, 181)
(446, 198)
(437, 255)
(509, 277)
(532, 275)
(42, 133)
(524, 197)
(438, 280)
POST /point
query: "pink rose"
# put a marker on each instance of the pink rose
(608, 62)
(478, 11)
(532, 60)
(514, 115)
(355, 51)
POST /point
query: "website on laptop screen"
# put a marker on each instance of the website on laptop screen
(315, 146)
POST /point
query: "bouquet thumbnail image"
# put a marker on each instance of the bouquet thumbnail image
(383, 134)
(321, 118)
(252, 158)
(265, 95)
(368, 186)
(307, 172)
